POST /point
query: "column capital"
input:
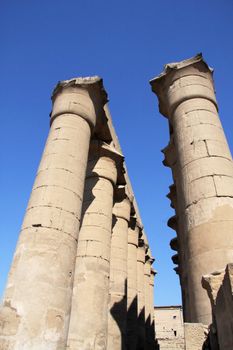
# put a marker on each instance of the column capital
(105, 161)
(173, 222)
(153, 272)
(149, 259)
(169, 152)
(83, 97)
(174, 244)
(122, 205)
(133, 231)
(175, 259)
(141, 251)
(172, 195)
(173, 86)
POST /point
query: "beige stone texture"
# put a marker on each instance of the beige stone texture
(117, 336)
(58, 294)
(195, 335)
(148, 317)
(92, 269)
(37, 301)
(219, 286)
(203, 176)
(141, 294)
(116, 144)
(152, 318)
(132, 299)
(169, 327)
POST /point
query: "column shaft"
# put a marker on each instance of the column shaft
(152, 325)
(204, 175)
(141, 295)
(147, 270)
(89, 312)
(37, 300)
(118, 275)
(132, 298)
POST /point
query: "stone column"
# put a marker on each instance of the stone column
(141, 295)
(89, 312)
(205, 182)
(118, 273)
(132, 298)
(147, 272)
(37, 300)
(152, 328)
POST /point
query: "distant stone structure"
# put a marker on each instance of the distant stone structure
(169, 327)
(82, 275)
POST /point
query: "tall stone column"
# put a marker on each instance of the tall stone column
(89, 312)
(148, 301)
(152, 328)
(132, 297)
(205, 174)
(141, 295)
(118, 272)
(147, 272)
(37, 300)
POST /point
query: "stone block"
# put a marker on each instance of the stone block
(224, 186)
(199, 189)
(218, 148)
(195, 335)
(207, 167)
(219, 286)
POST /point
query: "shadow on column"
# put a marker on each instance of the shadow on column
(88, 195)
(150, 334)
(132, 325)
(136, 333)
(119, 314)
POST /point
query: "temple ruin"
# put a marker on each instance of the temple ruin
(82, 276)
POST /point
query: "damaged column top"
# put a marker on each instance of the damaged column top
(183, 74)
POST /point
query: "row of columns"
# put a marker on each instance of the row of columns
(82, 275)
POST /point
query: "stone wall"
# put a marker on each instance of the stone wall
(169, 328)
(219, 286)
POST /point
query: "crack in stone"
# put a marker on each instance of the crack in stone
(60, 139)
(211, 175)
(191, 126)
(92, 256)
(50, 228)
(51, 168)
(83, 226)
(207, 150)
(51, 206)
(199, 109)
(65, 188)
(58, 154)
(201, 199)
(212, 156)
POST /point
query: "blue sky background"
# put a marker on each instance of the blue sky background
(127, 43)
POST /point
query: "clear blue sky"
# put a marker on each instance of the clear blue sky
(127, 43)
